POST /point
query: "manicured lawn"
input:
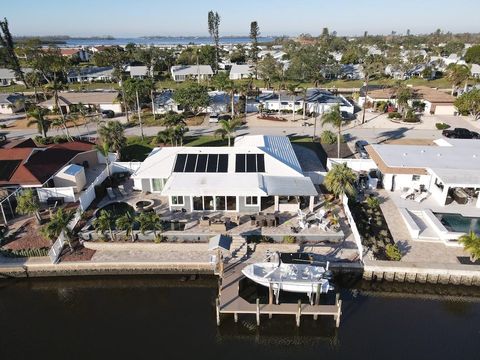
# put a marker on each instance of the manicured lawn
(205, 141)
(315, 146)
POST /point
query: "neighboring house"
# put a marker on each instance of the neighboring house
(91, 73)
(185, 72)
(137, 72)
(243, 71)
(256, 173)
(7, 76)
(316, 100)
(352, 72)
(475, 70)
(219, 102)
(11, 103)
(164, 103)
(394, 72)
(97, 100)
(80, 54)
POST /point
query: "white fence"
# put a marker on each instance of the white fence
(88, 195)
(353, 226)
(66, 193)
(354, 164)
(131, 166)
(56, 249)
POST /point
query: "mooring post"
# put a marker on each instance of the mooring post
(337, 323)
(270, 297)
(217, 306)
(299, 313)
(258, 312)
(219, 286)
(235, 317)
(317, 300)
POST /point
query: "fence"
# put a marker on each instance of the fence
(131, 166)
(88, 195)
(353, 226)
(57, 247)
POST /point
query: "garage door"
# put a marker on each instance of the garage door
(445, 110)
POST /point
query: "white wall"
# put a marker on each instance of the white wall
(116, 108)
(66, 192)
(405, 181)
(354, 164)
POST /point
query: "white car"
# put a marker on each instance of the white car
(213, 118)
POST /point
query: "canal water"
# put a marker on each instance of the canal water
(166, 318)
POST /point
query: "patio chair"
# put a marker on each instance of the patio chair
(121, 188)
(325, 226)
(409, 193)
(422, 196)
(303, 224)
(111, 195)
(320, 215)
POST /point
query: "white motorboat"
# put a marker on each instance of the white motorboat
(292, 277)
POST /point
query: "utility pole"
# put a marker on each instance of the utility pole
(198, 70)
(315, 124)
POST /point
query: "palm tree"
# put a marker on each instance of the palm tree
(113, 134)
(58, 223)
(178, 133)
(340, 180)
(471, 243)
(28, 204)
(126, 222)
(403, 95)
(303, 91)
(372, 65)
(227, 129)
(149, 220)
(292, 91)
(231, 89)
(38, 118)
(104, 222)
(104, 150)
(334, 118)
(457, 74)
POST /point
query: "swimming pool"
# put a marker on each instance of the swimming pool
(459, 223)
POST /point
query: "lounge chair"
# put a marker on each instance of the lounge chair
(122, 191)
(303, 224)
(410, 192)
(300, 214)
(111, 195)
(422, 196)
(320, 215)
(325, 226)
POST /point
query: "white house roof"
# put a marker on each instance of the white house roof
(475, 69)
(192, 70)
(92, 71)
(241, 69)
(280, 174)
(137, 70)
(6, 74)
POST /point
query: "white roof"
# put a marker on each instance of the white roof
(138, 70)
(192, 70)
(241, 69)
(7, 74)
(465, 178)
(281, 165)
(475, 69)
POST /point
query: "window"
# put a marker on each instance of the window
(220, 203)
(251, 200)
(208, 203)
(415, 177)
(178, 200)
(231, 203)
(197, 203)
(157, 185)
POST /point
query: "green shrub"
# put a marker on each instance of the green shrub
(381, 106)
(393, 252)
(289, 239)
(36, 252)
(394, 115)
(442, 126)
(410, 116)
(328, 137)
(373, 202)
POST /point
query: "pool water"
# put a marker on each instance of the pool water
(117, 209)
(459, 223)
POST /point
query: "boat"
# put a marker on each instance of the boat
(291, 273)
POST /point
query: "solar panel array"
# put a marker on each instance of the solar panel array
(249, 163)
(200, 163)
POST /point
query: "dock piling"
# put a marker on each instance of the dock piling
(299, 313)
(217, 305)
(258, 312)
(235, 317)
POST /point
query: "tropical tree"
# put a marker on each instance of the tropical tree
(213, 29)
(472, 55)
(126, 222)
(165, 136)
(58, 223)
(178, 134)
(192, 97)
(372, 65)
(292, 91)
(28, 204)
(136, 91)
(104, 149)
(254, 49)
(227, 129)
(471, 244)
(340, 180)
(104, 222)
(334, 118)
(7, 43)
(403, 95)
(469, 103)
(38, 115)
(172, 119)
(150, 221)
(457, 74)
(113, 134)
(269, 70)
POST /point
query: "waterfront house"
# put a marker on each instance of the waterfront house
(185, 72)
(256, 173)
(241, 71)
(76, 53)
(90, 74)
(11, 103)
(97, 100)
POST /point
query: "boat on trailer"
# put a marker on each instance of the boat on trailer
(292, 273)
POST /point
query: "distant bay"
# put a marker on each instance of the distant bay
(158, 40)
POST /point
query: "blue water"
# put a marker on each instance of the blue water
(459, 223)
(162, 41)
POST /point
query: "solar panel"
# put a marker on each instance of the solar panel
(222, 163)
(191, 162)
(260, 163)
(212, 163)
(251, 163)
(201, 163)
(180, 163)
(240, 163)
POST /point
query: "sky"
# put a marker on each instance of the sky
(127, 18)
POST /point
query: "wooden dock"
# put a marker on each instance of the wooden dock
(229, 301)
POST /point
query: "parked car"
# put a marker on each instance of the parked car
(360, 148)
(460, 133)
(213, 118)
(225, 117)
(108, 114)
